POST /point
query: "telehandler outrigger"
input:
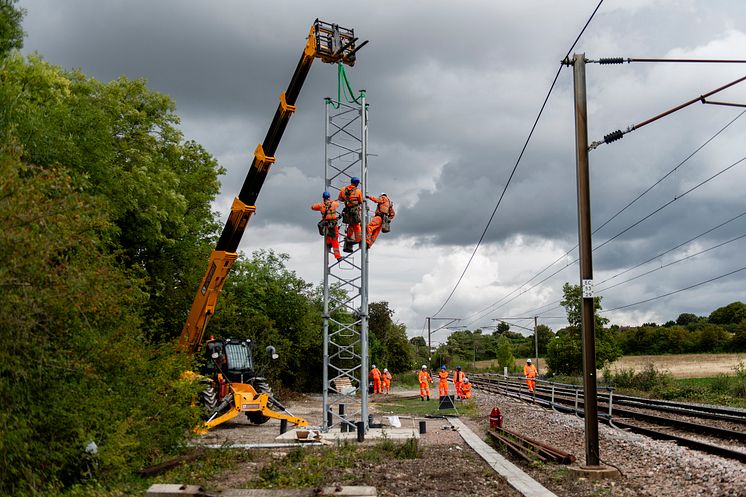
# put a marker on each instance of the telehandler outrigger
(235, 387)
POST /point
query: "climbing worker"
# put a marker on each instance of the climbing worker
(458, 380)
(424, 378)
(386, 381)
(466, 388)
(375, 373)
(328, 225)
(529, 371)
(443, 383)
(381, 219)
(352, 214)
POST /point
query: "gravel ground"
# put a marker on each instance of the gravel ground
(649, 467)
(448, 467)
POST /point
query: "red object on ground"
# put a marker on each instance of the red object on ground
(496, 418)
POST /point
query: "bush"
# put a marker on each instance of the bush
(646, 380)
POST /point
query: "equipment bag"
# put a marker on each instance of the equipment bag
(385, 223)
(326, 227)
(386, 218)
(351, 215)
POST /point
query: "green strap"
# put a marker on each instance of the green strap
(344, 89)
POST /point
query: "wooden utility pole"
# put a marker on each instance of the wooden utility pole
(536, 341)
(592, 457)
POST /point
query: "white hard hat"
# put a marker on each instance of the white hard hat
(375, 365)
(384, 195)
(466, 380)
(424, 367)
(528, 361)
(385, 370)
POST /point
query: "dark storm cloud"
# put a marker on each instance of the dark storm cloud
(454, 89)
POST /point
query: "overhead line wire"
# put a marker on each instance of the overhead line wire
(707, 142)
(663, 266)
(536, 310)
(676, 291)
(520, 156)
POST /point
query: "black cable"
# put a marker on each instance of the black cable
(672, 263)
(486, 310)
(676, 291)
(520, 156)
(670, 202)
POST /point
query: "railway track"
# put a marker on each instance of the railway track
(566, 399)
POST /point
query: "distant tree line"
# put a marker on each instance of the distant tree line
(724, 330)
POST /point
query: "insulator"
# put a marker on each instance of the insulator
(611, 60)
(613, 136)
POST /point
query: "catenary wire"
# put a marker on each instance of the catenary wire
(492, 307)
(518, 161)
(675, 291)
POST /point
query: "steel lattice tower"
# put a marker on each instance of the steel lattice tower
(346, 281)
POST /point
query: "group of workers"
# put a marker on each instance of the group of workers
(460, 381)
(352, 216)
(381, 381)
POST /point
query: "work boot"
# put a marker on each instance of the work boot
(428, 397)
(348, 247)
(422, 399)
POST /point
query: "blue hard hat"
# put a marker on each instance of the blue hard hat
(443, 366)
(355, 180)
(326, 195)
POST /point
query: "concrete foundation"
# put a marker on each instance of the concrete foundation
(595, 472)
(391, 433)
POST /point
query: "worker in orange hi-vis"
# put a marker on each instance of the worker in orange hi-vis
(328, 226)
(458, 380)
(375, 373)
(443, 383)
(386, 378)
(466, 388)
(529, 371)
(352, 214)
(425, 379)
(381, 219)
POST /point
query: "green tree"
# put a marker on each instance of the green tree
(545, 334)
(120, 143)
(505, 358)
(686, 318)
(394, 351)
(730, 314)
(266, 302)
(564, 353)
(74, 365)
(11, 32)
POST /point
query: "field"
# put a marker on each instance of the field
(679, 365)
(684, 365)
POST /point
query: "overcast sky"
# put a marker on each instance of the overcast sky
(454, 88)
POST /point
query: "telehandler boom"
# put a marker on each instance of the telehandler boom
(332, 44)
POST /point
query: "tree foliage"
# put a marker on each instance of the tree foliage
(564, 352)
(11, 32)
(74, 365)
(389, 347)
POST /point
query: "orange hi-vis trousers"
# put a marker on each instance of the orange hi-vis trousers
(386, 386)
(333, 243)
(443, 388)
(354, 233)
(374, 229)
(424, 389)
(377, 384)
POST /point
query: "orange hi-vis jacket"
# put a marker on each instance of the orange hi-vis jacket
(351, 196)
(424, 377)
(458, 377)
(443, 375)
(529, 371)
(383, 206)
(328, 209)
(466, 390)
(387, 376)
(375, 373)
